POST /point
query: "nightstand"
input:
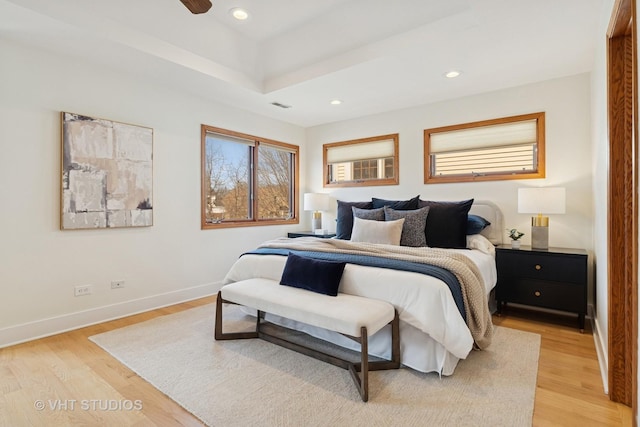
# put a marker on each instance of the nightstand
(310, 234)
(555, 278)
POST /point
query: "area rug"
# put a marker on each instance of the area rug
(253, 382)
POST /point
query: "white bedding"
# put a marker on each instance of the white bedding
(433, 334)
(484, 258)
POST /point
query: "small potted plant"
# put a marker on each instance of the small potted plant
(515, 236)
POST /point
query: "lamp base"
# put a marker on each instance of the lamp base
(316, 222)
(539, 237)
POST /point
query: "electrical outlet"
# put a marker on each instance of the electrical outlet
(117, 284)
(82, 290)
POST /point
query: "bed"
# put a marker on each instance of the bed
(435, 332)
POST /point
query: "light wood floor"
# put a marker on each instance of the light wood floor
(80, 384)
(569, 390)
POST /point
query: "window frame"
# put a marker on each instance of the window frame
(253, 181)
(395, 137)
(497, 176)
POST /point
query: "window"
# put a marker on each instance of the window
(506, 148)
(365, 169)
(247, 180)
(360, 162)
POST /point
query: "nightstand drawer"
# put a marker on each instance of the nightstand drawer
(556, 295)
(558, 268)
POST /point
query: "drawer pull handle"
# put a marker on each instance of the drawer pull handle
(537, 293)
(538, 267)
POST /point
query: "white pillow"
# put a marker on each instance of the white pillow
(481, 243)
(370, 231)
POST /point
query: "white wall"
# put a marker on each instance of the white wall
(172, 260)
(566, 102)
(600, 189)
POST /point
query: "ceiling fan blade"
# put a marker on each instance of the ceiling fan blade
(197, 6)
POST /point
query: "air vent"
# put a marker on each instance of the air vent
(278, 104)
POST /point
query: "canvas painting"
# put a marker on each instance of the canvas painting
(107, 174)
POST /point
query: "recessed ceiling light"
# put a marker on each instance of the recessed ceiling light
(336, 102)
(239, 13)
(452, 74)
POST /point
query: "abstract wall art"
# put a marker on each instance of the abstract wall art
(107, 174)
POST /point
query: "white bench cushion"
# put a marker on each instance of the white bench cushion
(343, 313)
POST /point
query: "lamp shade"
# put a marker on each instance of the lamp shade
(316, 202)
(542, 200)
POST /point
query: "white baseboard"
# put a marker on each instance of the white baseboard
(46, 327)
(601, 351)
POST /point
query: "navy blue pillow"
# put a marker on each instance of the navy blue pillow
(447, 223)
(344, 218)
(475, 224)
(312, 274)
(399, 205)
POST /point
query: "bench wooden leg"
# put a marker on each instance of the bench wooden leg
(364, 367)
(394, 363)
(219, 335)
(362, 380)
(359, 371)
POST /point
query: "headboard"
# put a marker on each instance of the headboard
(492, 213)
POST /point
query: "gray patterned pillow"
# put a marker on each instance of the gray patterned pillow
(370, 214)
(415, 222)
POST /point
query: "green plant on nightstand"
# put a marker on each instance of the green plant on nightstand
(515, 236)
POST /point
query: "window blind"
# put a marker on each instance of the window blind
(361, 151)
(499, 135)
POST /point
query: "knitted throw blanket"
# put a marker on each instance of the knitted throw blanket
(467, 273)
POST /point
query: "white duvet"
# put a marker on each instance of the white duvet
(433, 334)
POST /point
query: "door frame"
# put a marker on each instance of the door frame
(622, 233)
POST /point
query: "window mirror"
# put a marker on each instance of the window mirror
(361, 162)
(499, 149)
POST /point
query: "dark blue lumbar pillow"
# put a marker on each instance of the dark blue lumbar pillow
(312, 274)
(475, 224)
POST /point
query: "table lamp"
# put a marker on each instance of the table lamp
(541, 201)
(316, 202)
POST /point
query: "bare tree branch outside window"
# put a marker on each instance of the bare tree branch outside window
(229, 174)
(274, 183)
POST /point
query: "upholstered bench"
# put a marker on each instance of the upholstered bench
(353, 316)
